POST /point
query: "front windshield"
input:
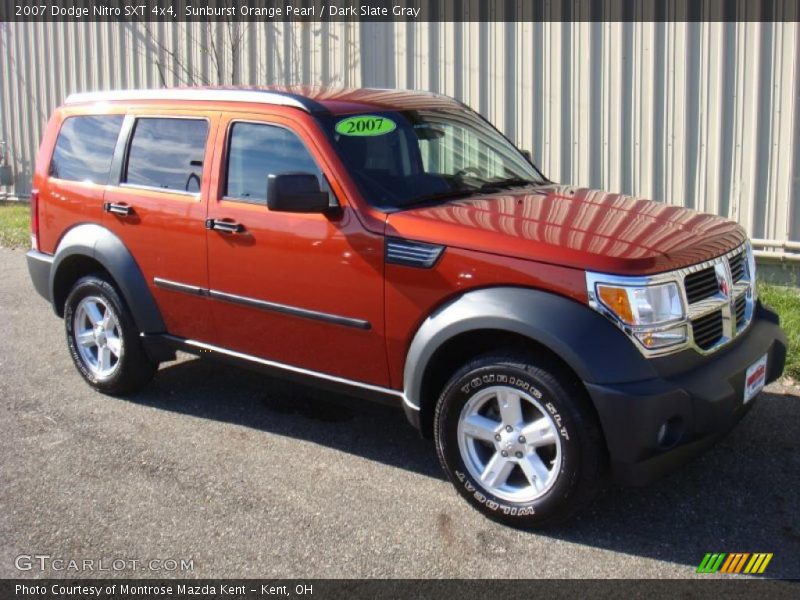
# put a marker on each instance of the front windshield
(415, 157)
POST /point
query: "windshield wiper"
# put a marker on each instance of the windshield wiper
(451, 195)
(508, 183)
(487, 187)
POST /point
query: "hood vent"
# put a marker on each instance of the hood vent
(412, 254)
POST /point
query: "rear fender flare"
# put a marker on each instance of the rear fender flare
(97, 242)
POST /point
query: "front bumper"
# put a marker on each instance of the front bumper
(696, 406)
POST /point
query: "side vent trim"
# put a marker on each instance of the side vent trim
(412, 254)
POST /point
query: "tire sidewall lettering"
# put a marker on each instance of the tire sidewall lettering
(492, 504)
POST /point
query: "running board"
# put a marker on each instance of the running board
(276, 369)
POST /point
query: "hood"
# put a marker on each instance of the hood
(575, 227)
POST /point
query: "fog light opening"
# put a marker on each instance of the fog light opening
(670, 432)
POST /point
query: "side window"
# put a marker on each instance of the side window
(85, 147)
(167, 154)
(258, 151)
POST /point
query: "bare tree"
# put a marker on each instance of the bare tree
(221, 46)
(221, 42)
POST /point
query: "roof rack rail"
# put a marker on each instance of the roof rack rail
(203, 94)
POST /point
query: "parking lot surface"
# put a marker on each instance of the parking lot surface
(249, 477)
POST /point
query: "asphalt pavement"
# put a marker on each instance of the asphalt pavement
(243, 476)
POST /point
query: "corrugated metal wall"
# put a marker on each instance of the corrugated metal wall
(700, 114)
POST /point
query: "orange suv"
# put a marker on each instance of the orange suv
(394, 245)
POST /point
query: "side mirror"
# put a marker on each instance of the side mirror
(527, 155)
(296, 192)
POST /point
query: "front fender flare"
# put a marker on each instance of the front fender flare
(99, 243)
(588, 342)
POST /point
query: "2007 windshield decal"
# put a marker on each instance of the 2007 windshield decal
(365, 125)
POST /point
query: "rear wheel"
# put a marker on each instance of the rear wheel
(103, 340)
(518, 440)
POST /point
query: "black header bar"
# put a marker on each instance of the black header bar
(405, 589)
(277, 11)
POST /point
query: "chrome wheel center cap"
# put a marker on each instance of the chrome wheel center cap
(509, 442)
(100, 336)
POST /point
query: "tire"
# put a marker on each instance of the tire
(103, 340)
(551, 470)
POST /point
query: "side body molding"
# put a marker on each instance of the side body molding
(106, 248)
(591, 345)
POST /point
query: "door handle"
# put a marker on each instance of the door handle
(224, 226)
(123, 210)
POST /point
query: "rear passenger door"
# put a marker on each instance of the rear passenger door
(304, 290)
(157, 205)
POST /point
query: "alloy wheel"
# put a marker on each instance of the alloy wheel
(97, 336)
(509, 443)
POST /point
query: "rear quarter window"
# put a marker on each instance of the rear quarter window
(85, 147)
(167, 154)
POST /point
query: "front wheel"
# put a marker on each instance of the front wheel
(103, 340)
(518, 440)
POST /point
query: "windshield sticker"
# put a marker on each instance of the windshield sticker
(364, 125)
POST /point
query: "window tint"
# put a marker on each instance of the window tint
(84, 148)
(167, 154)
(257, 151)
(429, 156)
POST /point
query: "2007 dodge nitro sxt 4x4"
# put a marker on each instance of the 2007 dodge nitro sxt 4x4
(396, 246)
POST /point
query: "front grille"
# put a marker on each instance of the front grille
(701, 285)
(708, 330)
(737, 267)
(719, 293)
(741, 305)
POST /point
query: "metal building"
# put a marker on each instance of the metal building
(700, 114)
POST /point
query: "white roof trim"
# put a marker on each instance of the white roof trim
(253, 96)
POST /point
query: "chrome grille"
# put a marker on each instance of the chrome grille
(738, 267)
(741, 311)
(701, 285)
(707, 330)
(720, 295)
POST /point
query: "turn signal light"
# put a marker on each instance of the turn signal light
(617, 300)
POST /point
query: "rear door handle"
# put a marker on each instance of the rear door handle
(224, 226)
(123, 210)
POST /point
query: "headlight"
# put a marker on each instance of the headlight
(652, 313)
(647, 305)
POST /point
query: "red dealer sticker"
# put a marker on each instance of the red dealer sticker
(755, 378)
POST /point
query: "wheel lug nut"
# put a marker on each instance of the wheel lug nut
(522, 439)
(518, 455)
(497, 437)
(504, 453)
(509, 428)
